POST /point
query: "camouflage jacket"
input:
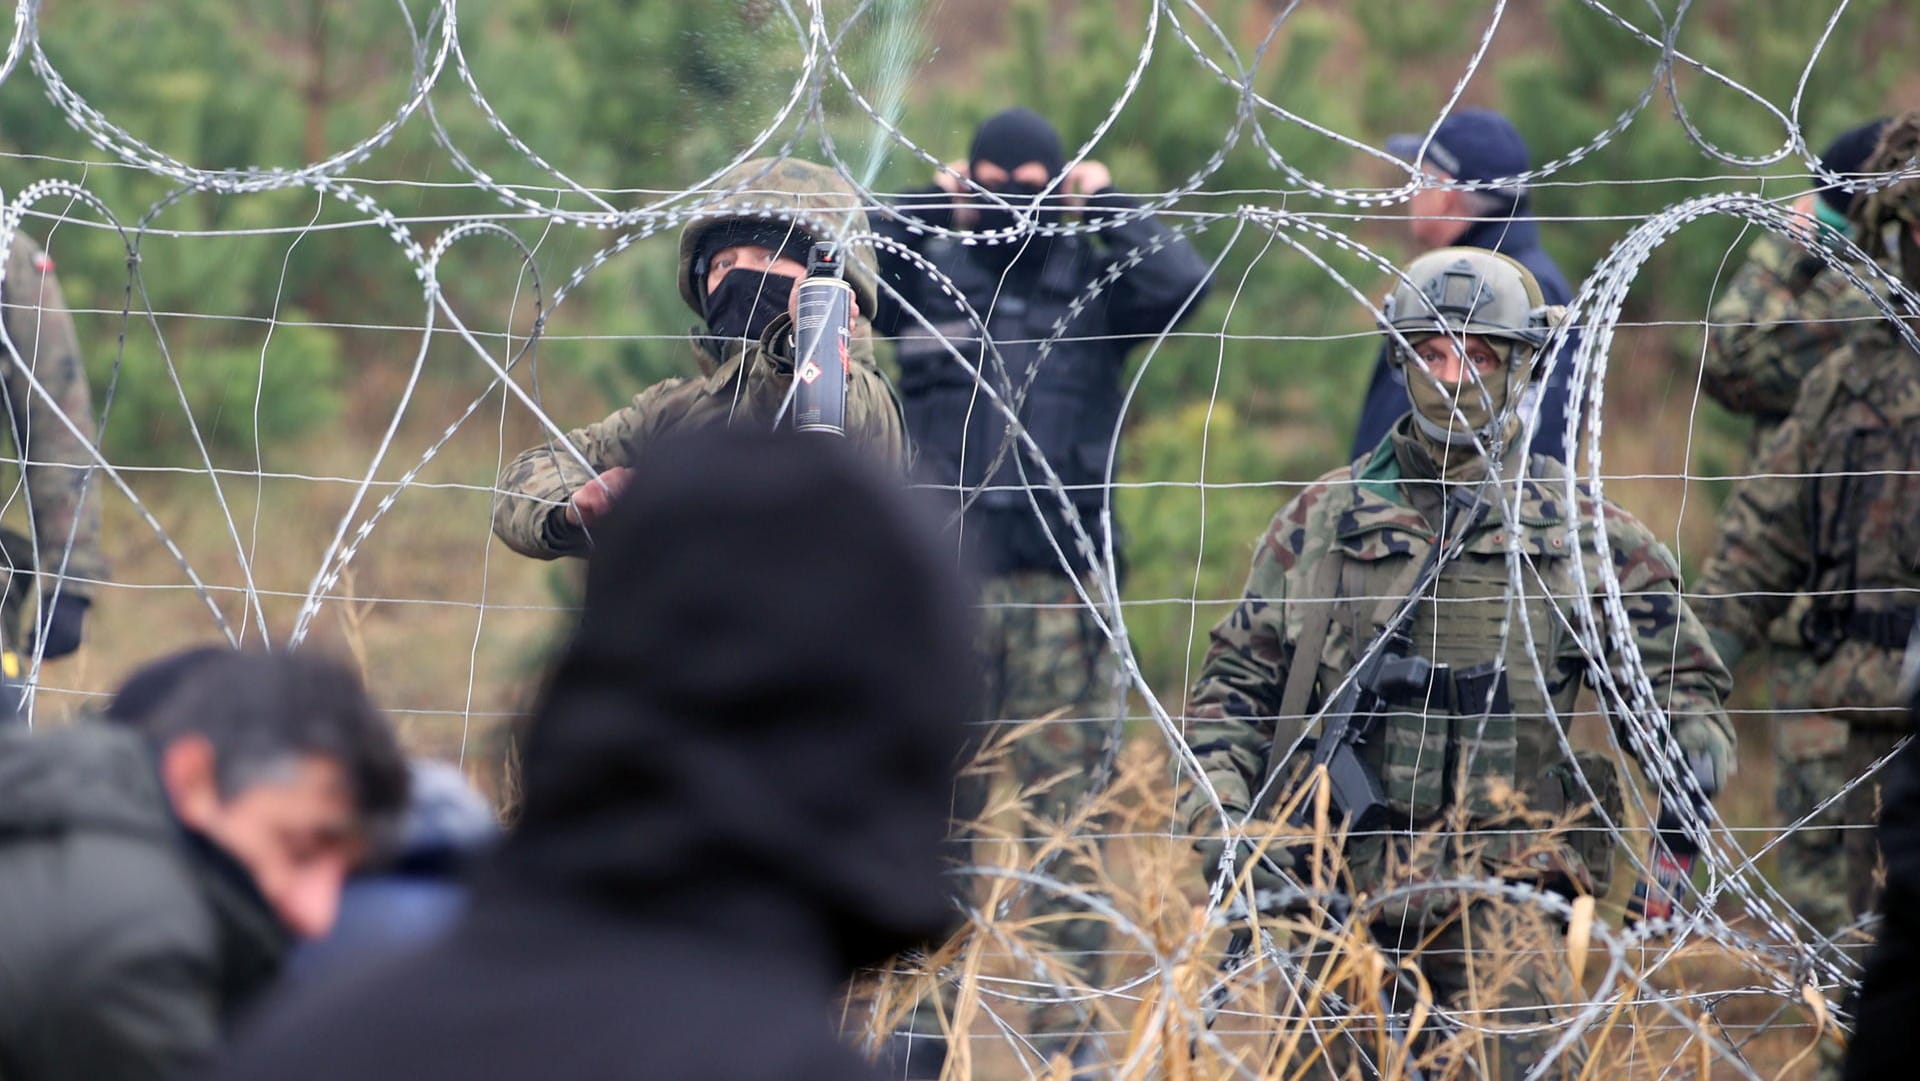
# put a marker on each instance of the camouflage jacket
(63, 487)
(1833, 511)
(1784, 312)
(747, 388)
(1434, 764)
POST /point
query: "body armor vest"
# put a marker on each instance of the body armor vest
(1451, 749)
(1071, 403)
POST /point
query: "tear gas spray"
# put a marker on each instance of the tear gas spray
(822, 332)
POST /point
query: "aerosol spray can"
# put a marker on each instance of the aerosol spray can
(822, 333)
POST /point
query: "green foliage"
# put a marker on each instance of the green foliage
(238, 397)
(1559, 99)
(642, 94)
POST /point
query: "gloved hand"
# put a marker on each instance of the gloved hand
(59, 627)
(1266, 869)
(1708, 756)
(1708, 751)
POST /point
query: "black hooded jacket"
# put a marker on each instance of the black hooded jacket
(1887, 1004)
(1089, 300)
(736, 788)
(126, 944)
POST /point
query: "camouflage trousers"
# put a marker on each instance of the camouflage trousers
(1046, 661)
(1052, 695)
(1494, 965)
(1826, 868)
(1810, 765)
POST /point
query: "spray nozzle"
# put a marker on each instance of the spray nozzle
(824, 261)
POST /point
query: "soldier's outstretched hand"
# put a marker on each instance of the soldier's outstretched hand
(591, 501)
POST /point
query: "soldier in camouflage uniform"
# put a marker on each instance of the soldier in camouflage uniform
(1832, 511)
(1468, 784)
(1783, 313)
(57, 467)
(739, 261)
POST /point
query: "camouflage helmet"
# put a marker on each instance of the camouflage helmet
(1471, 291)
(1899, 202)
(812, 198)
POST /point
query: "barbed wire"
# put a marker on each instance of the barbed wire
(1782, 956)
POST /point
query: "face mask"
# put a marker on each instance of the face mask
(1025, 255)
(993, 218)
(745, 303)
(1481, 404)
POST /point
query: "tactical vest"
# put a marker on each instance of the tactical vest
(1449, 750)
(1072, 396)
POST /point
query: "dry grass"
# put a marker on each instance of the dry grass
(1642, 1012)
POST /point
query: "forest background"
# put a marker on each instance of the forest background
(286, 327)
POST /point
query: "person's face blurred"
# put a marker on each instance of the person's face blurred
(295, 830)
(1437, 216)
(1445, 360)
(994, 178)
(750, 257)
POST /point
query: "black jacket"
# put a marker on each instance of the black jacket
(1887, 1006)
(1056, 295)
(1519, 238)
(125, 945)
(735, 792)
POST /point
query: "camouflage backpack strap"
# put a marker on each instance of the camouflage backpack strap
(1305, 666)
(1301, 673)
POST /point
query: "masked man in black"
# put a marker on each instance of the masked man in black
(1062, 313)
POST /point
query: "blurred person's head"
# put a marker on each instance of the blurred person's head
(279, 759)
(1891, 215)
(1469, 145)
(761, 708)
(1847, 155)
(446, 824)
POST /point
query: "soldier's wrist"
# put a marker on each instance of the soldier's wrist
(562, 530)
(1203, 820)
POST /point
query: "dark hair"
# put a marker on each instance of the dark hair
(258, 709)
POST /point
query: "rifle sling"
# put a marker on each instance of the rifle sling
(1304, 668)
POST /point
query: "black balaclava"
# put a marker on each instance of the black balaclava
(746, 302)
(1011, 139)
(761, 709)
